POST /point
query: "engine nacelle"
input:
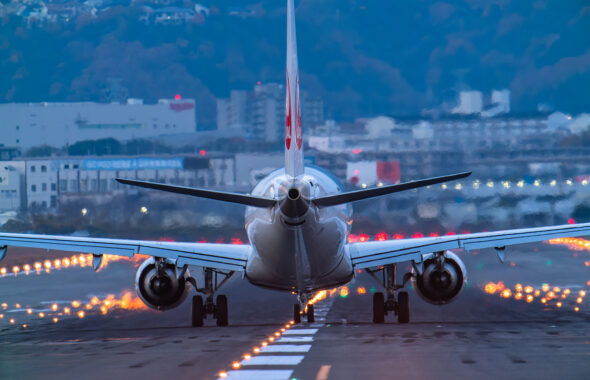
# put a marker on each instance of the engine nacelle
(442, 280)
(161, 292)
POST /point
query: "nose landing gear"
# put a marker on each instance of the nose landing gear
(307, 309)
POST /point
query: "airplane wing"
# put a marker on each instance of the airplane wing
(231, 257)
(376, 253)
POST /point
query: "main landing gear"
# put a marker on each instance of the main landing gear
(217, 309)
(308, 310)
(382, 305)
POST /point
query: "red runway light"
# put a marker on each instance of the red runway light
(177, 97)
(417, 235)
(381, 236)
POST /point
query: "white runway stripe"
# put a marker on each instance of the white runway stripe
(286, 348)
(273, 360)
(250, 374)
(300, 332)
(295, 339)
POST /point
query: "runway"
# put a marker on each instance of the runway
(481, 335)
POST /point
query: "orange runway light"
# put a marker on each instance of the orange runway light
(582, 293)
(81, 314)
(277, 334)
(579, 300)
(54, 307)
(26, 267)
(559, 304)
(29, 311)
(506, 293)
(490, 288)
(271, 339)
(537, 293)
(529, 298)
(543, 300)
(67, 310)
(518, 287)
(361, 290)
(545, 287)
(236, 365)
(3, 271)
(256, 350)
(55, 319)
(11, 321)
(38, 266)
(41, 315)
(17, 305)
(247, 357)
(223, 374)
(556, 289)
(25, 326)
(528, 289)
(264, 344)
(75, 304)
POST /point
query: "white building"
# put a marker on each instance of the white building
(43, 183)
(470, 102)
(11, 185)
(25, 125)
(261, 112)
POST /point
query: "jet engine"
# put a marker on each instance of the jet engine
(442, 279)
(160, 288)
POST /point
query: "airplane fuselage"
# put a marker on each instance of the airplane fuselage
(300, 254)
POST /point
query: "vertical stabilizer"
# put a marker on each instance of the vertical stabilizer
(293, 136)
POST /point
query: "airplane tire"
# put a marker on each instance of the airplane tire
(403, 307)
(197, 311)
(310, 314)
(297, 313)
(378, 308)
(221, 308)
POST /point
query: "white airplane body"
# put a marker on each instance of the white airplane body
(298, 220)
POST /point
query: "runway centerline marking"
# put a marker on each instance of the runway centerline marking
(324, 372)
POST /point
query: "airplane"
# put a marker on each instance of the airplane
(298, 219)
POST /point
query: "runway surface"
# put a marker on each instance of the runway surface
(481, 335)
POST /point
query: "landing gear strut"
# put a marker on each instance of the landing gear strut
(382, 305)
(303, 308)
(218, 309)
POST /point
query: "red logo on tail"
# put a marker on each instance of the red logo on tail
(288, 115)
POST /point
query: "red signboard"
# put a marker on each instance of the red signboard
(388, 171)
(179, 107)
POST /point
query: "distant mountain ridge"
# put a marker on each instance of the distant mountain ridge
(363, 57)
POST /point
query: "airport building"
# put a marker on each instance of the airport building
(43, 183)
(25, 125)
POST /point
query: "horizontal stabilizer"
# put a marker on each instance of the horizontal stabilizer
(337, 199)
(242, 199)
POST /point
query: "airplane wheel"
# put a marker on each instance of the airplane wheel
(310, 314)
(221, 308)
(403, 307)
(297, 313)
(378, 308)
(197, 311)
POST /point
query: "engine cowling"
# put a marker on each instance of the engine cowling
(162, 292)
(442, 280)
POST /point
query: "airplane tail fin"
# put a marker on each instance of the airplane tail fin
(293, 135)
